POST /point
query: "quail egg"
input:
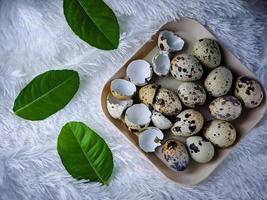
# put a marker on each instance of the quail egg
(168, 41)
(219, 81)
(122, 89)
(137, 117)
(167, 102)
(225, 108)
(150, 139)
(207, 52)
(160, 121)
(200, 149)
(161, 63)
(188, 122)
(147, 94)
(221, 133)
(249, 92)
(192, 94)
(175, 155)
(185, 67)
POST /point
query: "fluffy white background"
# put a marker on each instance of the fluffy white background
(34, 37)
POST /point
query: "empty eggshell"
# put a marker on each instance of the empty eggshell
(160, 121)
(161, 63)
(122, 89)
(139, 72)
(147, 94)
(175, 155)
(168, 41)
(221, 133)
(200, 149)
(116, 107)
(225, 108)
(137, 117)
(150, 139)
(249, 91)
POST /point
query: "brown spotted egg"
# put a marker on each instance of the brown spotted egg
(225, 108)
(147, 94)
(207, 52)
(175, 155)
(221, 133)
(192, 94)
(219, 81)
(248, 91)
(185, 67)
(188, 122)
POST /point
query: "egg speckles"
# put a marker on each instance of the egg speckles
(186, 67)
(219, 81)
(225, 108)
(175, 155)
(221, 133)
(200, 149)
(207, 52)
(192, 94)
(248, 91)
(188, 122)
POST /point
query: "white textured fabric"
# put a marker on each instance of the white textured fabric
(34, 37)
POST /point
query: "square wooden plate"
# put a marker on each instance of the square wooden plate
(190, 31)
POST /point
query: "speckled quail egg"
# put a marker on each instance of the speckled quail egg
(175, 155)
(219, 81)
(160, 121)
(192, 94)
(122, 89)
(150, 139)
(221, 133)
(147, 94)
(116, 107)
(168, 41)
(167, 102)
(249, 91)
(200, 149)
(188, 122)
(185, 67)
(137, 117)
(207, 52)
(225, 108)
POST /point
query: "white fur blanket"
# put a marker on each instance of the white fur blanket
(34, 37)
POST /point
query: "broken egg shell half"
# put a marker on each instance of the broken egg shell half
(160, 121)
(137, 117)
(139, 72)
(161, 63)
(117, 107)
(168, 41)
(150, 139)
(122, 89)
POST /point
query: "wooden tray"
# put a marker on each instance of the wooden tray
(190, 31)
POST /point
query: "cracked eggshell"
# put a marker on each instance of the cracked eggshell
(219, 81)
(139, 72)
(188, 122)
(192, 94)
(150, 139)
(161, 63)
(221, 133)
(175, 155)
(167, 102)
(122, 89)
(137, 117)
(160, 121)
(248, 91)
(168, 41)
(185, 67)
(147, 94)
(225, 108)
(207, 51)
(200, 149)
(117, 107)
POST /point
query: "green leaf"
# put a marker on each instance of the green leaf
(94, 22)
(84, 153)
(46, 94)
